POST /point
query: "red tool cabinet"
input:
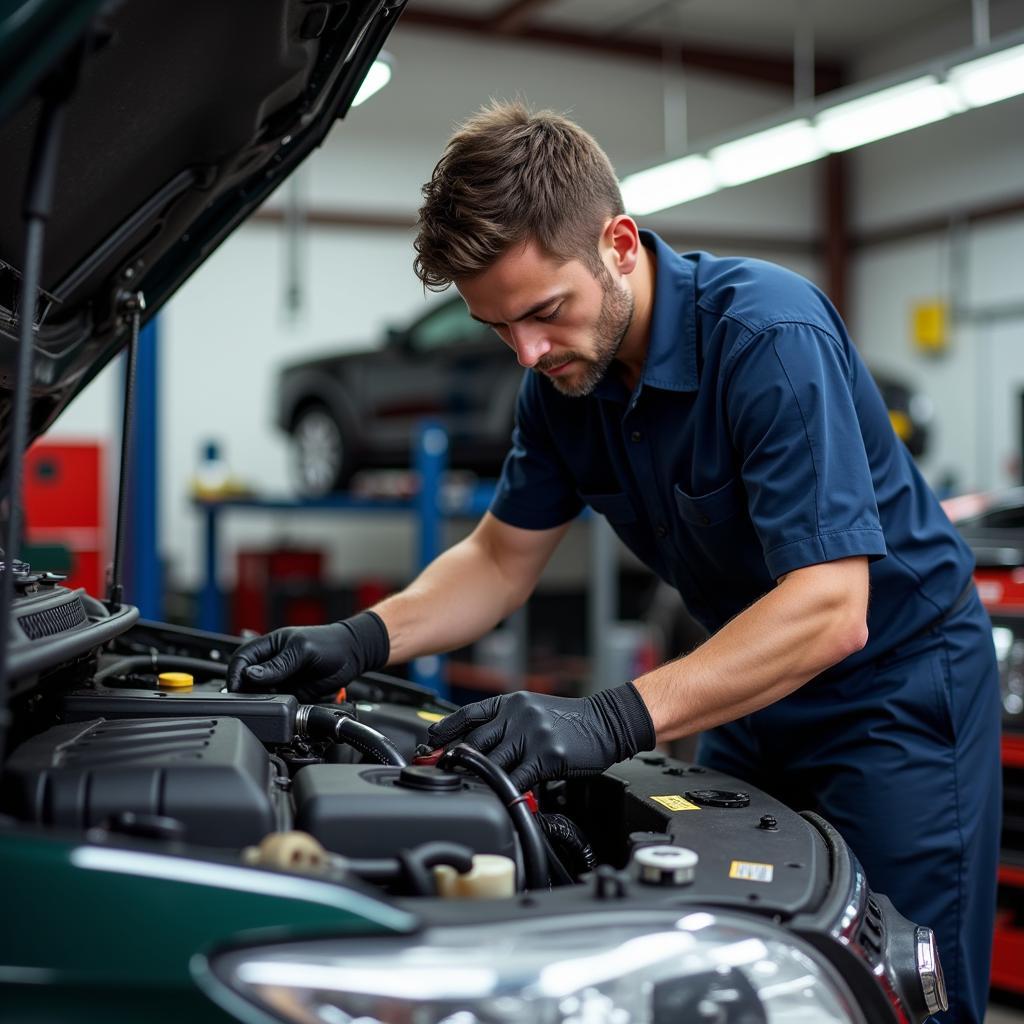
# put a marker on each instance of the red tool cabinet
(65, 508)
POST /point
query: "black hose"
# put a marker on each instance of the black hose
(368, 741)
(411, 869)
(378, 688)
(418, 861)
(161, 663)
(557, 871)
(323, 723)
(563, 832)
(379, 870)
(535, 854)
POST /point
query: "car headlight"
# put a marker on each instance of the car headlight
(606, 969)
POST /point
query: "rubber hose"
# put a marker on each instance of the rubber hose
(368, 741)
(564, 831)
(557, 871)
(379, 870)
(161, 663)
(418, 861)
(323, 723)
(377, 687)
(531, 838)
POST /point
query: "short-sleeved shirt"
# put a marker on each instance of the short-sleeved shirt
(754, 443)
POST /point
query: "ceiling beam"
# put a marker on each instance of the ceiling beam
(773, 68)
(359, 219)
(514, 15)
(941, 223)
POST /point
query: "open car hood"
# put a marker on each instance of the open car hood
(187, 114)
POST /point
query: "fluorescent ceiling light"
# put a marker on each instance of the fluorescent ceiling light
(937, 90)
(768, 152)
(669, 184)
(886, 112)
(990, 79)
(376, 78)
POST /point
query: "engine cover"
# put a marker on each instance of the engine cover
(212, 775)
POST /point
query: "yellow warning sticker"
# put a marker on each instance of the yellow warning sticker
(675, 803)
(749, 871)
(430, 716)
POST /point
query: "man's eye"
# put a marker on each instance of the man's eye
(551, 316)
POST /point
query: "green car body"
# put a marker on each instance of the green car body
(94, 934)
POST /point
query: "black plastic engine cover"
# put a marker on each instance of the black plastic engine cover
(212, 775)
(361, 811)
(270, 716)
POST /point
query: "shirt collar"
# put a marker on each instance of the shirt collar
(671, 361)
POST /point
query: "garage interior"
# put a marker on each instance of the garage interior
(252, 507)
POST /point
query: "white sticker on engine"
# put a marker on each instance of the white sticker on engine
(749, 871)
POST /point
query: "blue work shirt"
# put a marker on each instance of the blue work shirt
(754, 443)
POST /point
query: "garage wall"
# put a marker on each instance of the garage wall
(971, 161)
(226, 333)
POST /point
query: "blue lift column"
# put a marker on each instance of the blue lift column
(431, 461)
(143, 581)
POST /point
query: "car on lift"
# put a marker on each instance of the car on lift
(359, 409)
(172, 850)
(355, 410)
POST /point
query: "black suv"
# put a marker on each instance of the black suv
(359, 409)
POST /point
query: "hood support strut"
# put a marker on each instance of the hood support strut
(56, 91)
(132, 304)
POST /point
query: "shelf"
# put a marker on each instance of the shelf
(431, 505)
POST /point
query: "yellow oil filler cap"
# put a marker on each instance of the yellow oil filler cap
(175, 680)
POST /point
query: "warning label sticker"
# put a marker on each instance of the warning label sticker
(749, 871)
(675, 803)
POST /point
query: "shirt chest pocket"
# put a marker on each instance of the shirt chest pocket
(712, 508)
(616, 508)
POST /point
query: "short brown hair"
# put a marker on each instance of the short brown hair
(506, 176)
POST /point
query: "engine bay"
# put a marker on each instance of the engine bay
(122, 733)
(150, 742)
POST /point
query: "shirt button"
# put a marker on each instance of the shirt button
(661, 530)
(635, 436)
(705, 520)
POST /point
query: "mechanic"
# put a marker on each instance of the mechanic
(717, 413)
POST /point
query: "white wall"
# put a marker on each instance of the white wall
(226, 332)
(972, 160)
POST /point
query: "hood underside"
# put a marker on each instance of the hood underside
(186, 116)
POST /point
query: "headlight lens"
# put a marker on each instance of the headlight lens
(722, 969)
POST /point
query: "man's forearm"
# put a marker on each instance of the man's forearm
(809, 622)
(468, 590)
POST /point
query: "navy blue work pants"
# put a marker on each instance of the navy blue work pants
(902, 757)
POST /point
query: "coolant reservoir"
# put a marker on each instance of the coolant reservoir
(492, 877)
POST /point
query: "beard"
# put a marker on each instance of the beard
(612, 323)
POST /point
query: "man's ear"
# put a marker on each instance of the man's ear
(620, 240)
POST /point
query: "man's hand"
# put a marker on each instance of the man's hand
(310, 661)
(534, 737)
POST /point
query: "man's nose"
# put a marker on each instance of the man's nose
(530, 345)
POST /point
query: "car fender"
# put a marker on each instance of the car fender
(309, 386)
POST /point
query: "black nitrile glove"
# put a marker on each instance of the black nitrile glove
(535, 737)
(311, 661)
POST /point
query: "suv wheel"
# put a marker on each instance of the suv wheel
(321, 454)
